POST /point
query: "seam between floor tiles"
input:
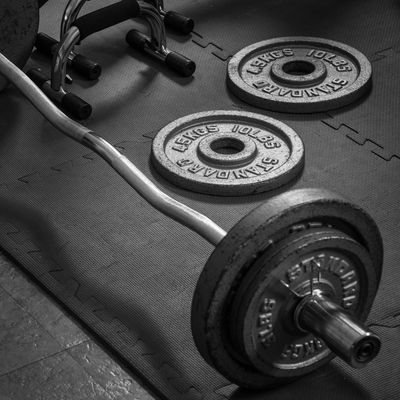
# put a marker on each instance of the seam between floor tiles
(45, 358)
(34, 318)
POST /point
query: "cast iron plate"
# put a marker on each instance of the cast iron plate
(299, 74)
(228, 153)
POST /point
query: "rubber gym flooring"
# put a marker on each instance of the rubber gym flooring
(128, 272)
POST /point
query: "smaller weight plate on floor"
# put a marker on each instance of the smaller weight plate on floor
(228, 153)
(299, 74)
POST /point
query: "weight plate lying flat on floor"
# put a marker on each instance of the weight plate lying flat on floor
(299, 74)
(243, 304)
(19, 21)
(229, 153)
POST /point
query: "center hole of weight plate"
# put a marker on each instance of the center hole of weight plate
(298, 67)
(365, 351)
(227, 146)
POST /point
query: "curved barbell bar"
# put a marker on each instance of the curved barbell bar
(183, 214)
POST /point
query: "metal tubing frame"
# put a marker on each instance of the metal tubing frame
(71, 37)
(157, 28)
(61, 57)
(71, 13)
(151, 14)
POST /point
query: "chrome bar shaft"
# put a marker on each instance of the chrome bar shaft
(183, 214)
(343, 334)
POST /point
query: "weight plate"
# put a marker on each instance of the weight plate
(263, 312)
(228, 153)
(266, 225)
(19, 22)
(299, 74)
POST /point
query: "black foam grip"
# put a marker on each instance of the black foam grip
(106, 17)
(75, 106)
(86, 67)
(178, 22)
(45, 43)
(37, 76)
(180, 64)
(136, 39)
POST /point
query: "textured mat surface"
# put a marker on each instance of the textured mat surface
(129, 272)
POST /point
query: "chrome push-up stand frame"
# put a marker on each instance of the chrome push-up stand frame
(73, 30)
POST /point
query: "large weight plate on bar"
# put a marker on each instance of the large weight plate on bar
(299, 74)
(241, 253)
(228, 153)
(19, 21)
(313, 259)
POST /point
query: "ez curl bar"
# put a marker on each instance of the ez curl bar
(284, 290)
(75, 29)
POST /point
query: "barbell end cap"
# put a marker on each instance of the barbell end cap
(365, 350)
(347, 337)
